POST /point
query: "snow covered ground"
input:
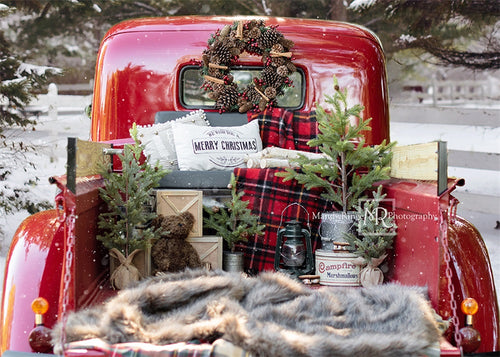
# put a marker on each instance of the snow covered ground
(51, 136)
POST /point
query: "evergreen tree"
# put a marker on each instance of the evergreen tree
(234, 222)
(18, 82)
(127, 194)
(451, 31)
(375, 228)
(349, 167)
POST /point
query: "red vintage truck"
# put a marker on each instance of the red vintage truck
(150, 68)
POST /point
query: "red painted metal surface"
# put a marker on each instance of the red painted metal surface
(139, 61)
(418, 257)
(33, 269)
(473, 270)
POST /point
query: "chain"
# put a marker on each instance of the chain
(69, 238)
(443, 228)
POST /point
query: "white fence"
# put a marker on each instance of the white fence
(53, 103)
(451, 91)
(473, 141)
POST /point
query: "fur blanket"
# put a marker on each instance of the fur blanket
(267, 315)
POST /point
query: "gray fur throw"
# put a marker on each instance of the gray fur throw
(267, 315)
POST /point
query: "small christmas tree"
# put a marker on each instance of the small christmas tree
(127, 194)
(375, 234)
(349, 167)
(375, 229)
(234, 222)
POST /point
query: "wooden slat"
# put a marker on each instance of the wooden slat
(84, 159)
(418, 162)
(89, 157)
(427, 162)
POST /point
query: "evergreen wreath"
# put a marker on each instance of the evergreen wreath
(224, 49)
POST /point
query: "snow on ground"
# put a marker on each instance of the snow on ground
(51, 136)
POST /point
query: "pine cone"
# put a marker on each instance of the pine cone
(269, 38)
(245, 107)
(214, 95)
(221, 52)
(217, 87)
(227, 98)
(282, 71)
(291, 67)
(278, 48)
(287, 44)
(253, 47)
(254, 33)
(277, 61)
(270, 92)
(253, 95)
(269, 75)
(271, 78)
(214, 72)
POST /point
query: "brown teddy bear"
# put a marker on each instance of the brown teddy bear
(171, 252)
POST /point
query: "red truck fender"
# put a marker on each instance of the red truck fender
(473, 277)
(33, 269)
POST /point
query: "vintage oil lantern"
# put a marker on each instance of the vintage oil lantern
(293, 250)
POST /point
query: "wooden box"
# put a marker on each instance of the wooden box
(210, 250)
(170, 202)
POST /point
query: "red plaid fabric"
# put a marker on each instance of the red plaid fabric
(286, 129)
(269, 197)
(275, 127)
(304, 128)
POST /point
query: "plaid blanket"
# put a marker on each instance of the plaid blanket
(275, 201)
(285, 129)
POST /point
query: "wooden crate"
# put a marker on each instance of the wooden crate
(170, 202)
(210, 250)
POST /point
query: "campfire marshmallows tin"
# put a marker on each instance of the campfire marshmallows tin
(336, 268)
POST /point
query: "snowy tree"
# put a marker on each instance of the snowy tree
(53, 29)
(454, 32)
(18, 81)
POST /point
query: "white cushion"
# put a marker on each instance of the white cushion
(158, 139)
(215, 148)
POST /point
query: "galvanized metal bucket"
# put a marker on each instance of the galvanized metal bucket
(333, 226)
(233, 261)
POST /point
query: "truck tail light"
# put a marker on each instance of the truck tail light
(471, 339)
(39, 337)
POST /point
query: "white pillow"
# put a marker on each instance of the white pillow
(158, 139)
(215, 148)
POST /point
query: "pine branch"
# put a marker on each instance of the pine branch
(234, 222)
(351, 167)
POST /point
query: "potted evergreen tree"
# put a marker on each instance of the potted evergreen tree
(125, 228)
(375, 230)
(234, 222)
(349, 167)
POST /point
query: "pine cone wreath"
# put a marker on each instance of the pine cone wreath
(225, 47)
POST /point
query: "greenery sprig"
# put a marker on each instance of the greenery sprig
(376, 229)
(234, 222)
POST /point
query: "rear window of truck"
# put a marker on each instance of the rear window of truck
(193, 96)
